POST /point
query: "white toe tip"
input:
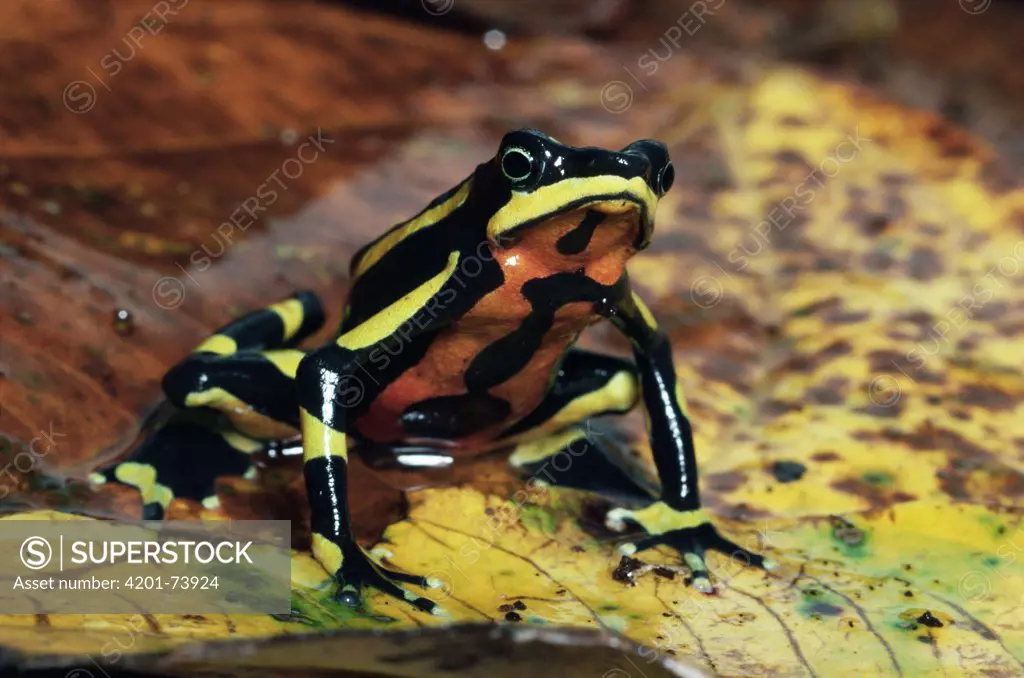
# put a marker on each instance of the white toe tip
(770, 564)
(703, 585)
(616, 519)
(435, 583)
(627, 549)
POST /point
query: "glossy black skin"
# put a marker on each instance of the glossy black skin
(319, 385)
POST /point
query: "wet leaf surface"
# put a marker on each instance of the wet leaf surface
(841, 275)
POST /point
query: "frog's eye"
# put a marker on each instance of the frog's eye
(666, 177)
(517, 164)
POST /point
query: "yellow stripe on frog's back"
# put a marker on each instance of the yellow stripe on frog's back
(428, 217)
(388, 320)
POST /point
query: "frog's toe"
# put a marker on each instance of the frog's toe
(618, 520)
(711, 539)
(406, 578)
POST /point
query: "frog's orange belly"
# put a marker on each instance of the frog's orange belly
(441, 373)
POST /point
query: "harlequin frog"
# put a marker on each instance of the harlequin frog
(457, 338)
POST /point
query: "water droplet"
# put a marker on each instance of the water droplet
(124, 322)
(495, 39)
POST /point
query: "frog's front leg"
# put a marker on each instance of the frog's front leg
(325, 420)
(676, 519)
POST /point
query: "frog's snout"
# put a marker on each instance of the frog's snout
(653, 155)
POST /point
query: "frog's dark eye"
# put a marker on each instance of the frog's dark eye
(666, 177)
(517, 164)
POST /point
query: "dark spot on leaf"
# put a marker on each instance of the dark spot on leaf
(883, 410)
(728, 481)
(995, 176)
(894, 181)
(513, 617)
(878, 260)
(788, 471)
(928, 437)
(839, 317)
(519, 605)
(725, 369)
(874, 224)
(895, 206)
(827, 609)
(885, 361)
(924, 264)
(877, 478)
(830, 392)
(505, 608)
(776, 408)
(817, 307)
(826, 456)
(987, 397)
(992, 311)
(928, 619)
(789, 157)
(908, 594)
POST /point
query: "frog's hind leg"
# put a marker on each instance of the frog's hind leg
(280, 325)
(244, 373)
(183, 458)
(556, 445)
(246, 370)
(578, 459)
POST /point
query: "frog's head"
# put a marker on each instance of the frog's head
(535, 179)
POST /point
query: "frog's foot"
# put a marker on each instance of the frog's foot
(355, 570)
(691, 533)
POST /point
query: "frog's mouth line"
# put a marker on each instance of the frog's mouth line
(606, 204)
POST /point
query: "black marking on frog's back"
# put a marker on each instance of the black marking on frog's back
(455, 416)
(417, 259)
(576, 240)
